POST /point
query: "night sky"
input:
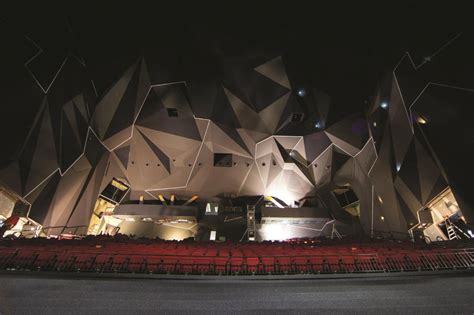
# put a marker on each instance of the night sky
(343, 50)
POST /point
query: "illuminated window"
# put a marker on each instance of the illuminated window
(212, 237)
(443, 206)
(212, 208)
(115, 191)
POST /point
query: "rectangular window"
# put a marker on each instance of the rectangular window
(172, 112)
(297, 117)
(115, 191)
(212, 236)
(222, 159)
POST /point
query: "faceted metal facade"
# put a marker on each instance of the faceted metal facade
(161, 136)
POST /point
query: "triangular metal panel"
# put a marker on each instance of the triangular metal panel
(275, 70)
(123, 155)
(159, 154)
(45, 194)
(106, 108)
(409, 171)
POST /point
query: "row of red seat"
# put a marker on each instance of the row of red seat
(145, 256)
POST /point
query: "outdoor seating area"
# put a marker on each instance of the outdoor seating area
(104, 254)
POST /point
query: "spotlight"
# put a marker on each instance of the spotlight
(301, 92)
(398, 167)
(384, 105)
(318, 125)
(421, 120)
(380, 199)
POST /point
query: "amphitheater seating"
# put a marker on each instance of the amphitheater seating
(108, 255)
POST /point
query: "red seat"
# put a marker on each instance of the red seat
(221, 265)
(236, 264)
(252, 264)
(268, 264)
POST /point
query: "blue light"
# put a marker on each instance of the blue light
(301, 92)
(318, 125)
(384, 105)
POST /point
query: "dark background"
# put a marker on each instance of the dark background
(343, 49)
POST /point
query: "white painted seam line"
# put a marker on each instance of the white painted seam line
(318, 230)
(151, 194)
(329, 147)
(168, 83)
(232, 219)
(132, 126)
(258, 169)
(57, 73)
(176, 227)
(40, 50)
(419, 95)
(452, 86)
(293, 149)
(198, 153)
(95, 90)
(273, 136)
(141, 107)
(363, 147)
(447, 44)
(61, 173)
(80, 60)
(54, 172)
(70, 166)
(36, 80)
(403, 103)
(245, 179)
(376, 158)
(190, 173)
(165, 188)
(103, 144)
(59, 168)
(37, 119)
(416, 67)
(243, 235)
(405, 55)
(342, 149)
(439, 50)
(26, 64)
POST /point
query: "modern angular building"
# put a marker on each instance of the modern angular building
(252, 135)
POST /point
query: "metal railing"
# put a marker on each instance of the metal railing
(390, 235)
(93, 261)
(58, 230)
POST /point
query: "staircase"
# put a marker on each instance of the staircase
(450, 227)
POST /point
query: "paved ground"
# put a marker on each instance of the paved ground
(402, 295)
